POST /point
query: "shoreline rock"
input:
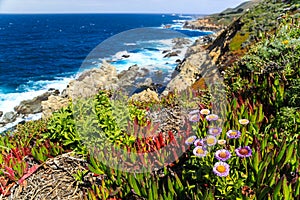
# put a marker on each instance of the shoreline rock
(8, 117)
(54, 103)
(90, 81)
(203, 24)
(34, 106)
(197, 63)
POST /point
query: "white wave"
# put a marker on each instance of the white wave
(31, 117)
(150, 56)
(130, 44)
(10, 100)
(179, 21)
(186, 16)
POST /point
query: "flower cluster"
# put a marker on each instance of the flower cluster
(220, 168)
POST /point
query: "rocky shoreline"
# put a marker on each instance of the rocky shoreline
(203, 24)
(136, 79)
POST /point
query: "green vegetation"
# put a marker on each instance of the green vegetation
(262, 86)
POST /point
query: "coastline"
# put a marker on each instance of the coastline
(254, 143)
(34, 109)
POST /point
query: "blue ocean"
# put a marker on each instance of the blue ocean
(44, 51)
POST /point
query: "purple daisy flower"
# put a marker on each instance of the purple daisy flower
(194, 118)
(212, 117)
(215, 131)
(222, 155)
(221, 142)
(211, 140)
(221, 169)
(204, 112)
(198, 142)
(243, 152)
(244, 121)
(199, 151)
(233, 134)
(190, 140)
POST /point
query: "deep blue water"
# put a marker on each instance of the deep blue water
(39, 50)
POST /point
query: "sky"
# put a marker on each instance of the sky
(117, 6)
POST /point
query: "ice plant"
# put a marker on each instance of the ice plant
(190, 140)
(243, 152)
(222, 155)
(221, 142)
(215, 131)
(199, 151)
(204, 112)
(211, 140)
(212, 117)
(221, 169)
(233, 134)
(198, 142)
(244, 121)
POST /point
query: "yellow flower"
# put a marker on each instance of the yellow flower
(285, 42)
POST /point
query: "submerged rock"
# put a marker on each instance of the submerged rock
(171, 54)
(125, 56)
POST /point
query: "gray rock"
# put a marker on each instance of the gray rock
(1, 113)
(54, 103)
(125, 56)
(131, 76)
(91, 81)
(168, 55)
(32, 106)
(9, 117)
(147, 83)
(180, 42)
(165, 51)
(54, 91)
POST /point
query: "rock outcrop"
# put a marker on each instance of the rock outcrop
(8, 117)
(129, 77)
(203, 24)
(221, 44)
(145, 96)
(179, 43)
(171, 54)
(33, 106)
(91, 81)
(54, 103)
(197, 64)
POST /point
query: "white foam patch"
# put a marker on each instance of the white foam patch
(31, 117)
(150, 55)
(10, 100)
(129, 44)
